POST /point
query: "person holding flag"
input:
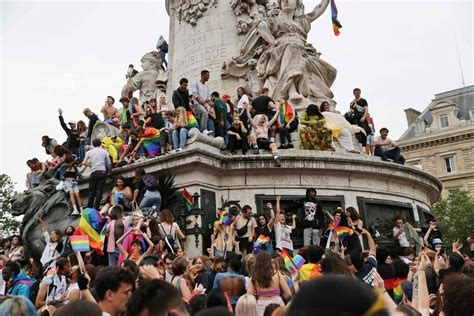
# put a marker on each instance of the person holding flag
(282, 230)
(222, 239)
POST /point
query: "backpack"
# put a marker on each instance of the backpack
(169, 239)
(164, 47)
(150, 182)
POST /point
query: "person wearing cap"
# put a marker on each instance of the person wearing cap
(386, 148)
(73, 141)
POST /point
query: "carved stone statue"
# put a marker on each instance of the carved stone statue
(46, 203)
(286, 63)
(151, 81)
(190, 11)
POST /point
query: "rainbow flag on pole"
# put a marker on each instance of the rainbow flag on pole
(224, 218)
(48, 279)
(292, 264)
(343, 231)
(336, 25)
(80, 243)
(188, 200)
(261, 240)
(90, 225)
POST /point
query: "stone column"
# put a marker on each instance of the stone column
(202, 36)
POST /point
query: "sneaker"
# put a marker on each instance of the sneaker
(272, 139)
(290, 145)
(256, 151)
(277, 162)
(75, 213)
(282, 146)
(179, 149)
(151, 211)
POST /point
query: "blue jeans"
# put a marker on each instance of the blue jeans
(179, 138)
(210, 126)
(150, 199)
(113, 257)
(163, 59)
(82, 149)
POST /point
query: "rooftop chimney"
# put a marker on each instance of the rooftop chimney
(411, 115)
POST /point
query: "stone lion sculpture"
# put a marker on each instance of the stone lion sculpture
(46, 203)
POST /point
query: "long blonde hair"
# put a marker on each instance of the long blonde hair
(181, 117)
(246, 306)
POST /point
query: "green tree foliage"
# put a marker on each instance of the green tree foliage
(455, 216)
(8, 224)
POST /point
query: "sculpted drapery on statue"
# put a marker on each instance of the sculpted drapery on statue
(276, 55)
(151, 81)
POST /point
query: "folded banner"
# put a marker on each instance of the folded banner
(80, 243)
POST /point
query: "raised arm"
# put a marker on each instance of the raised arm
(318, 10)
(275, 117)
(252, 122)
(272, 217)
(371, 242)
(264, 31)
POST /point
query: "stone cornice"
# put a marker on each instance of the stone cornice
(436, 140)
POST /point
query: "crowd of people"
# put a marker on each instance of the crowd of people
(251, 268)
(157, 127)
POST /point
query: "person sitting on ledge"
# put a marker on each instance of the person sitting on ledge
(288, 123)
(184, 122)
(314, 135)
(111, 113)
(261, 125)
(386, 148)
(237, 134)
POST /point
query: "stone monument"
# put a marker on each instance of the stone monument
(250, 43)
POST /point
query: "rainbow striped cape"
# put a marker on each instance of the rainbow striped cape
(90, 225)
(285, 113)
(151, 141)
(192, 122)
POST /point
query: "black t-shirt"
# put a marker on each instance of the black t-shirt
(366, 274)
(360, 106)
(434, 234)
(261, 103)
(313, 216)
(156, 121)
(237, 130)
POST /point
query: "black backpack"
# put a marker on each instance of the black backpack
(164, 47)
(169, 239)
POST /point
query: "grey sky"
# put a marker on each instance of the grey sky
(74, 54)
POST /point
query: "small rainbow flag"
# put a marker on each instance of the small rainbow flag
(90, 225)
(117, 199)
(188, 200)
(48, 279)
(343, 231)
(292, 264)
(151, 141)
(79, 243)
(397, 290)
(192, 122)
(261, 240)
(224, 218)
(336, 25)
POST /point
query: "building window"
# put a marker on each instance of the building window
(419, 127)
(450, 164)
(444, 120)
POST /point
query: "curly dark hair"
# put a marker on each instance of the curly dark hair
(262, 273)
(458, 294)
(313, 109)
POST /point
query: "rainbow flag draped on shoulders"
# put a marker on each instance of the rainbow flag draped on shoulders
(286, 113)
(192, 122)
(336, 25)
(90, 225)
(151, 141)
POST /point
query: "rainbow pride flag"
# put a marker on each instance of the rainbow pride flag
(336, 25)
(117, 199)
(90, 225)
(397, 290)
(192, 122)
(343, 232)
(292, 264)
(188, 200)
(48, 279)
(261, 240)
(151, 141)
(285, 113)
(79, 243)
(224, 218)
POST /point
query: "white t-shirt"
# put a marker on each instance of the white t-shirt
(282, 236)
(402, 238)
(49, 251)
(98, 158)
(386, 143)
(70, 288)
(243, 99)
(202, 90)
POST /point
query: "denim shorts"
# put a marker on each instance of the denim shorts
(370, 139)
(70, 185)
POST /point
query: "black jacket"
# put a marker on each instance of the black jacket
(181, 98)
(72, 135)
(92, 120)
